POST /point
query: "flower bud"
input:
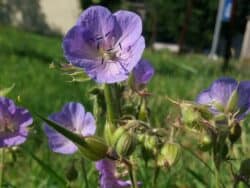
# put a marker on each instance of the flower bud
(151, 143)
(235, 133)
(232, 102)
(190, 117)
(169, 155)
(126, 144)
(95, 148)
(117, 135)
(245, 168)
(206, 142)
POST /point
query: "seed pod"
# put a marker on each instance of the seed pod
(126, 144)
(235, 133)
(169, 155)
(95, 148)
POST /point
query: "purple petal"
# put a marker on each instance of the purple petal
(131, 27)
(74, 118)
(204, 97)
(58, 143)
(143, 72)
(13, 121)
(244, 98)
(106, 167)
(98, 20)
(222, 89)
(134, 55)
(77, 46)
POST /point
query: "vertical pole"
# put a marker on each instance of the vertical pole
(217, 29)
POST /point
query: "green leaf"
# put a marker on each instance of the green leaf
(46, 167)
(197, 176)
(78, 140)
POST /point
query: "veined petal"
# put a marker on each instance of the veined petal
(143, 72)
(135, 52)
(74, 118)
(98, 20)
(222, 89)
(77, 45)
(58, 143)
(131, 27)
(204, 97)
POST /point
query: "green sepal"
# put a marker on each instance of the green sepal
(232, 102)
(5, 91)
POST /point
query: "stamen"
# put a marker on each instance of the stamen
(99, 38)
(107, 34)
(108, 50)
(102, 60)
(120, 45)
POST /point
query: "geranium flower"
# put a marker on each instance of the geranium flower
(218, 94)
(107, 172)
(14, 122)
(143, 72)
(74, 118)
(107, 46)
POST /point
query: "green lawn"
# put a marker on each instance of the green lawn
(25, 59)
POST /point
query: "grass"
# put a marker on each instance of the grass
(24, 60)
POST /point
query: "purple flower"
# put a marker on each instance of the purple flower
(74, 118)
(107, 46)
(143, 72)
(221, 90)
(107, 172)
(14, 122)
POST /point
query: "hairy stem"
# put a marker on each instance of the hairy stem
(112, 103)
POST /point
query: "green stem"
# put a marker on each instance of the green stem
(84, 173)
(132, 173)
(1, 167)
(112, 103)
(156, 175)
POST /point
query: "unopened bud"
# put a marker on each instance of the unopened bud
(235, 133)
(126, 144)
(169, 155)
(117, 135)
(95, 148)
(191, 117)
(206, 142)
(151, 143)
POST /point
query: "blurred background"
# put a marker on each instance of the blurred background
(190, 43)
(179, 26)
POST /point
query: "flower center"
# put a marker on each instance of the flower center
(6, 126)
(107, 54)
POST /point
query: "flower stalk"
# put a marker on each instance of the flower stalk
(112, 103)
